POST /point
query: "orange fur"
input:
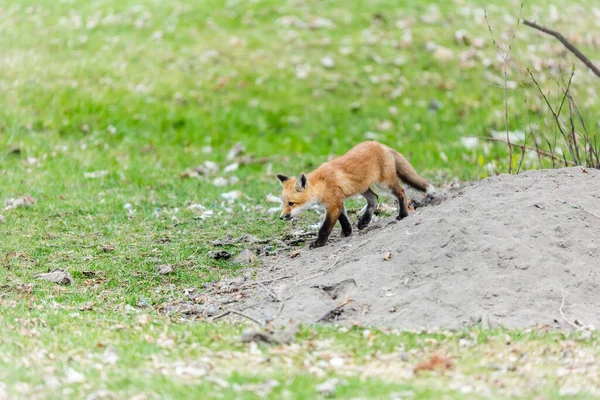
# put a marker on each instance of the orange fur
(365, 165)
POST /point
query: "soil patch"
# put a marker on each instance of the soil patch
(515, 251)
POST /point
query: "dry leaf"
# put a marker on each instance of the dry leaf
(95, 174)
(328, 62)
(387, 256)
(143, 319)
(435, 362)
(24, 201)
(165, 269)
(87, 306)
(110, 355)
(327, 388)
(231, 167)
(246, 257)
(59, 276)
(72, 376)
(220, 181)
(236, 150)
(233, 195)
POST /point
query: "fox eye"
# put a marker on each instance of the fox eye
(291, 203)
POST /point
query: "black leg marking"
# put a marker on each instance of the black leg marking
(371, 198)
(330, 220)
(403, 210)
(346, 227)
(398, 192)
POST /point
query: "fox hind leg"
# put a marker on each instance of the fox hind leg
(398, 192)
(371, 206)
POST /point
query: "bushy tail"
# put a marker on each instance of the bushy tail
(407, 173)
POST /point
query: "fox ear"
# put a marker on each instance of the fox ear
(301, 182)
(282, 178)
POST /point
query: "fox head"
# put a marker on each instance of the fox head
(296, 195)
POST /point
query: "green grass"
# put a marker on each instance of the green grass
(141, 90)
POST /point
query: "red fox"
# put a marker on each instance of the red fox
(366, 165)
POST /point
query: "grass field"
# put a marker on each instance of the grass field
(104, 105)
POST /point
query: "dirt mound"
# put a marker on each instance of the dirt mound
(511, 250)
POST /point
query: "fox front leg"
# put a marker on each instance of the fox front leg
(333, 214)
(345, 223)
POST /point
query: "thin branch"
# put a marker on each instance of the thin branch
(550, 108)
(566, 43)
(573, 138)
(523, 148)
(567, 88)
(319, 273)
(266, 289)
(539, 151)
(505, 60)
(535, 142)
(592, 152)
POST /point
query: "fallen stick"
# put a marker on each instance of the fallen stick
(562, 305)
(309, 277)
(591, 213)
(266, 289)
(280, 309)
(241, 314)
(319, 273)
(247, 285)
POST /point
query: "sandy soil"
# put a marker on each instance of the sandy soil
(514, 251)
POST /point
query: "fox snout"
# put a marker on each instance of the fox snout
(285, 217)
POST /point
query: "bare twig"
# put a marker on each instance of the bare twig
(521, 146)
(241, 314)
(319, 273)
(567, 44)
(591, 151)
(266, 289)
(524, 147)
(504, 57)
(553, 112)
(587, 211)
(309, 278)
(247, 285)
(562, 306)
(280, 308)
(249, 160)
(535, 142)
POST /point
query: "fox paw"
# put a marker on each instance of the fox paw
(347, 233)
(315, 244)
(401, 217)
